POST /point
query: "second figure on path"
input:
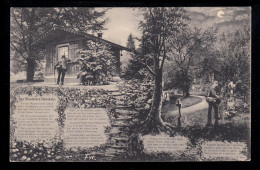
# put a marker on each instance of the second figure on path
(213, 100)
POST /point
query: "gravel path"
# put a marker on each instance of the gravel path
(202, 105)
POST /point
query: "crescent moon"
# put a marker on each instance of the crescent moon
(220, 14)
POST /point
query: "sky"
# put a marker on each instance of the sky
(124, 21)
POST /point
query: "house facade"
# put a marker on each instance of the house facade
(62, 41)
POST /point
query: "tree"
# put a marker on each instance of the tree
(137, 63)
(232, 59)
(130, 42)
(130, 64)
(28, 24)
(17, 63)
(98, 63)
(189, 47)
(158, 25)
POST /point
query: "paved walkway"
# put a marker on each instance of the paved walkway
(111, 87)
(202, 105)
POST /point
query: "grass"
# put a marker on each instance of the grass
(194, 124)
(194, 128)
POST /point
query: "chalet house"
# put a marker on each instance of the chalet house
(61, 41)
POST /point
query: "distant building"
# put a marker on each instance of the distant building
(63, 41)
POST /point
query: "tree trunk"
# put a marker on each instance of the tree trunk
(154, 115)
(30, 69)
(186, 92)
(31, 63)
(186, 89)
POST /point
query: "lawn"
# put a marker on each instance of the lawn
(194, 124)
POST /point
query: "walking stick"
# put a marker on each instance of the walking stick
(54, 76)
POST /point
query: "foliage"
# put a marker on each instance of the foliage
(28, 24)
(158, 25)
(188, 49)
(17, 64)
(137, 93)
(137, 67)
(97, 63)
(135, 63)
(233, 57)
(231, 64)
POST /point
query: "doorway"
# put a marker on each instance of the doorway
(63, 50)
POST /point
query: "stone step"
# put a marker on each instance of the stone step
(122, 121)
(116, 78)
(119, 125)
(117, 131)
(112, 151)
(117, 147)
(120, 139)
(118, 95)
(107, 156)
(127, 108)
(120, 103)
(115, 93)
(126, 112)
(117, 136)
(121, 117)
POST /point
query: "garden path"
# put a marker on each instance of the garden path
(202, 105)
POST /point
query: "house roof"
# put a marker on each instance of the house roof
(43, 38)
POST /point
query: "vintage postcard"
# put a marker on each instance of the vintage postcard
(120, 84)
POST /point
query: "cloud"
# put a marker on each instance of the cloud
(233, 17)
(242, 14)
(200, 17)
(123, 21)
(233, 23)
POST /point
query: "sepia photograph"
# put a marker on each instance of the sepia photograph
(130, 84)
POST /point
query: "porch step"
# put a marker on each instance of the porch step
(116, 79)
(73, 79)
(67, 79)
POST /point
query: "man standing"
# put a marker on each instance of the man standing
(61, 66)
(214, 100)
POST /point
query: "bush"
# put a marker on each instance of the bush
(97, 64)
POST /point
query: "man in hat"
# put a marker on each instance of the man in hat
(61, 66)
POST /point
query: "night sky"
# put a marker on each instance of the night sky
(123, 21)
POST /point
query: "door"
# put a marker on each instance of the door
(63, 50)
